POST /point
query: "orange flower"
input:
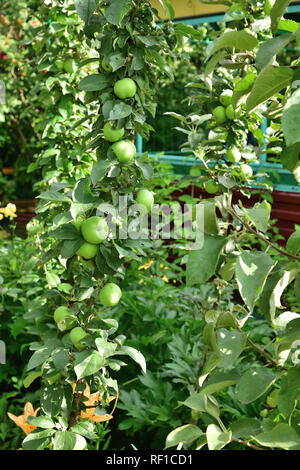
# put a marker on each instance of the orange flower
(21, 420)
(93, 399)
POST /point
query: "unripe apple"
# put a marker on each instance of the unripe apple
(125, 150)
(211, 187)
(76, 335)
(59, 64)
(219, 114)
(246, 171)
(230, 112)
(87, 250)
(145, 197)
(110, 294)
(94, 230)
(226, 97)
(62, 318)
(195, 170)
(233, 154)
(69, 66)
(111, 134)
(125, 88)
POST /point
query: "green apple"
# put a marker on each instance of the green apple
(246, 171)
(125, 88)
(76, 335)
(230, 112)
(226, 97)
(78, 222)
(233, 154)
(145, 197)
(69, 66)
(211, 187)
(110, 294)
(94, 230)
(195, 170)
(62, 318)
(87, 251)
(111, 134)
(60, 65)
(125, 150)
(263, 413)
(219, 114)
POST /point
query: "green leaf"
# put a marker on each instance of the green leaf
(186, 30)
(120, 111)
(38, 357)
(252, 270)
(210, 219)
(290, 157)
(231, 345)
(202, 264)
(277, 12)
(115, 12)
(245, 428)
(67, 440)
(43, 422)
(284, 344)
(51, 399)
(37, 440)
(235, 39)
(216, 438)
(86, 429)
(94, 82)
(270, 81)
(185, 434)
(289, 391)
(281, 436)
(52, 279)
(270, 48)
(254, 383)
(82, 192)
(70, 248)
(65, 232)
(87, 363)
(86, 8)
(219, 381)
(202, 402)
(100, 170)
(274, 287)
(288, 25)
(291, 119)
(31, 378)
(60, 358)
(136, 355)
(116, 60)
(260, 215)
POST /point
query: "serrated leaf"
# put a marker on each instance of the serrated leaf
(235, 39)
(94, 82)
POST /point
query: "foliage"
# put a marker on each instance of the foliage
(258, 87)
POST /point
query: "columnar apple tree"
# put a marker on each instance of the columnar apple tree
(79, 353)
